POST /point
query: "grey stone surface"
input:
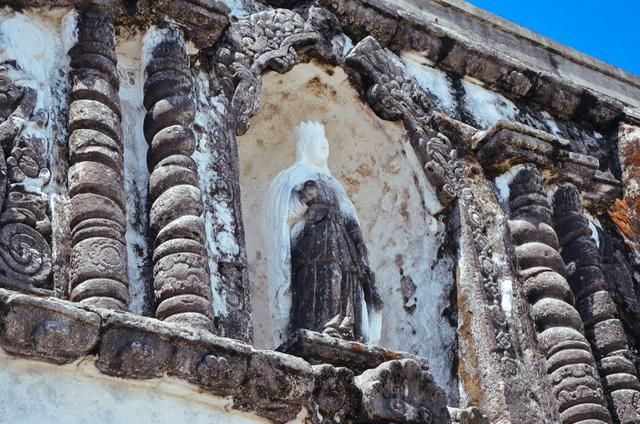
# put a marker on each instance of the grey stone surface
(274, 385)
(506, 144)
(514, 309)
(597, 310)
(400, 391)
(181, 270)
(570, 365)
(317, 348)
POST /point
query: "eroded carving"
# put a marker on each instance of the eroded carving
(508, 143)
(242, 56)
(47, 329)
(335, 395)
(25, 224)
(401, 391)
(316, 249)
(570, 364)
(261, 41)
(598, 311)
(393, 96)
(181, 270)
(98, 273)
(279, 386)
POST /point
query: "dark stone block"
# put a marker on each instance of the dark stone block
(322, 349)
(46, 329)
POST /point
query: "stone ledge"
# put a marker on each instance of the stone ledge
(271, 384)
(202, 20)
(318, 348)
(507, 143)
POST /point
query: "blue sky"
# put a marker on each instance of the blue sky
(608, 30)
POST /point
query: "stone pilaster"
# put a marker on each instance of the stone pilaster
(98, 274)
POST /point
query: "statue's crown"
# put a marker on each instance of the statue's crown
(309, 130)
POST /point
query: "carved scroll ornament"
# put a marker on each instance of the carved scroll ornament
(25, 226)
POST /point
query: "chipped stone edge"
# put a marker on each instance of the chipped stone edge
(403, 28)
(270, 384)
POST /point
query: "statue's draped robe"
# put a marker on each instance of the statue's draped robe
(329, 270)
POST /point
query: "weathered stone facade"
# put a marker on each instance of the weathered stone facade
(497, 190)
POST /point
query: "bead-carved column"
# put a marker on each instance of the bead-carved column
(98, 274)
(181, 272)
(570, 362)
(598, 311)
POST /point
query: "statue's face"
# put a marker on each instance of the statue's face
(318, 151)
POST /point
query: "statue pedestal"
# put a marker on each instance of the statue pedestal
(318, 348)
(387, 386)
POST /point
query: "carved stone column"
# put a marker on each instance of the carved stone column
(598, 311)
(570, 362)
(99, 257)
(181, 271)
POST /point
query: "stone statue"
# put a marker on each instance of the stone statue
(318, 262)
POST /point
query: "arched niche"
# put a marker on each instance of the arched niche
(396, 205)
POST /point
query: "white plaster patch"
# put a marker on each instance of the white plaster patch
(594, 225)
(218, 217)
(506, 299)
(430, 79)
(348, 45)
(487, 107)
(79, 394)
(551, 124)
(502, 182)
(152, 37)
(236, 7)
(34, 46)
(136, 173)
(34, 42)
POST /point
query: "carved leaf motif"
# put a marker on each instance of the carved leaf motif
(263, 40)
(401, 391)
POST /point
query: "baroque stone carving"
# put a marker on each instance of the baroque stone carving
(598, 311)
(254, 44)
(507, 143)
(279, 387)
(48, 329)
(570, 363)
(25, 225)
(400, 391)
(393, 96)
(98, 274)
(470, 415)
(312, 227)
(181, 270)
(334, 394)
(318, 348)
(488, 273)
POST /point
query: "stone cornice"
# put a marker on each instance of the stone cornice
(519, 64)
(271, 384)
(509, 143)
(202, 20)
